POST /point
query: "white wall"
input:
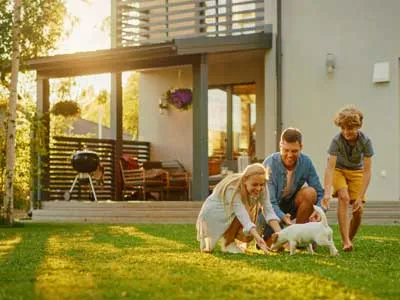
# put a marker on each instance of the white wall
(171, 136)
(359, 33)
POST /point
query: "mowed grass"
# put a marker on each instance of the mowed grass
(91, 261)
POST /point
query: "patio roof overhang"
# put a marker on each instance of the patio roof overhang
(182, 51)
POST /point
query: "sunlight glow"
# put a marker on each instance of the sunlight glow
(8, 245)
(379, 238)
(70, 275)
(150, 239)
(87, 35)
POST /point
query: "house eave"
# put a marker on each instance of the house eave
(196, 45)
(182, 51)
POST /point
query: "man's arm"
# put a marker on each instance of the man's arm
(272, 188)
(273, 191)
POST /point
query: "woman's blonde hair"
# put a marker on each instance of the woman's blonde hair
(349, 116)
(237, 181)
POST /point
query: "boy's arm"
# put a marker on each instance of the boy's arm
(365, 182)
(328, 178)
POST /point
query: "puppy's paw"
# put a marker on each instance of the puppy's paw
(335, 253)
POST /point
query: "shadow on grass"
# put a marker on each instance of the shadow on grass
(118, 240)
(173, 232)
(18, 267)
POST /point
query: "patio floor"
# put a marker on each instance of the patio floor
(174, 212)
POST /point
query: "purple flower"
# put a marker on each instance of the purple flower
(180, 98)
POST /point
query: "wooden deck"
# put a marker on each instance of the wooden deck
(175, 212)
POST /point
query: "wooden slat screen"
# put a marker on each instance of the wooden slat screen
(61, 173)
(155, 21)
(141, 150)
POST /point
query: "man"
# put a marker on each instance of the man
(293, 184)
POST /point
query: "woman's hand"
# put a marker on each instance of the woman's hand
(263, 245)
(259, 240)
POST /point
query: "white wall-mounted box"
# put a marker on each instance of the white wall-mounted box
(381, 72)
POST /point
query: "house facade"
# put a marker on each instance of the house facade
(356, 36)
(359, 34)
(304, 60)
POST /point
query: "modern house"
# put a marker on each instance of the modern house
(269, 63)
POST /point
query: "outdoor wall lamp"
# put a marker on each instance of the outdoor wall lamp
(163, 106)
(330, 62)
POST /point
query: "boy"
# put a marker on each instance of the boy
(348, 171)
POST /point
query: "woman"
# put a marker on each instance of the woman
(230, 212)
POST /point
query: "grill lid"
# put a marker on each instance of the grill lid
(85, 161)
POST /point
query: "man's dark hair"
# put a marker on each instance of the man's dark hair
(291, 135)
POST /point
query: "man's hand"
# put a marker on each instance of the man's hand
(358, 205)
(286, 219)
(315, 217)
(325, 202)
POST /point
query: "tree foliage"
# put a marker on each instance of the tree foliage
(41, 27)
(25, 115)
(130, 105)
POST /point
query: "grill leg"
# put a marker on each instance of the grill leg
(73, 184)
(91, 185)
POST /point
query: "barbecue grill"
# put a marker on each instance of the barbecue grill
(84, 162)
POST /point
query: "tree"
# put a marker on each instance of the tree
(41, 27)
(11, 120)
(23, 36)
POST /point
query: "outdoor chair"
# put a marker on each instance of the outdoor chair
(178, 179)
(143, 183)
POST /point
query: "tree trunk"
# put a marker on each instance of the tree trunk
(11, 121)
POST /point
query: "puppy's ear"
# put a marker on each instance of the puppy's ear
(275, 237)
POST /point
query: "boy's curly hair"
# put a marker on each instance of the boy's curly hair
(349, 116)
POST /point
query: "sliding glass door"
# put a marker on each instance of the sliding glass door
(231, 124)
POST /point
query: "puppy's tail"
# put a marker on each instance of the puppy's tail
(324, 220)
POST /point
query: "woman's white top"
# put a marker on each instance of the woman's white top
(215, 218)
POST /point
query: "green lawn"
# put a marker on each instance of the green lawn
(80, 261)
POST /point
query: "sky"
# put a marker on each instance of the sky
(88, 36)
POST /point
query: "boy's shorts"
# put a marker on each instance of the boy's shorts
(350, 179)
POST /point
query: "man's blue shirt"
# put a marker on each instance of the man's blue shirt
(304, 172)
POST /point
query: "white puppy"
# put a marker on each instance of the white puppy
(304, 234)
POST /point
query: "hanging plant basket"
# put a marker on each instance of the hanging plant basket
(180, 98)
(66, 108)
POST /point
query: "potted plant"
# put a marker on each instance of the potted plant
(66, 108)
(180, 98)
